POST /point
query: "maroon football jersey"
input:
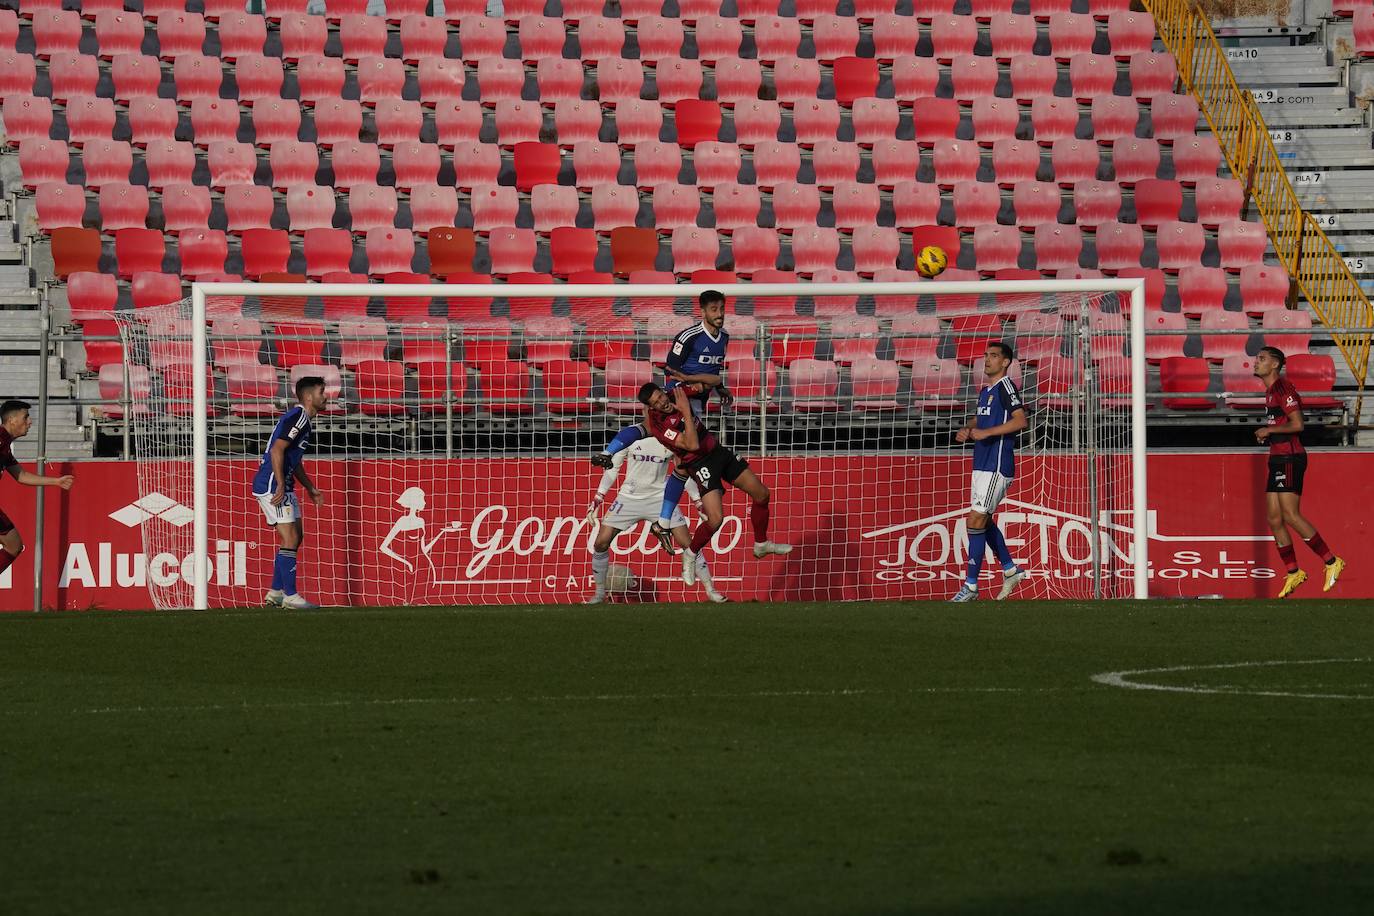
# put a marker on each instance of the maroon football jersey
(668, 429)
(7, 459)
(1279, 401)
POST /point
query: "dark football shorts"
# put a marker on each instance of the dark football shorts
(6, 526)
(1286, 473)
(719, 467)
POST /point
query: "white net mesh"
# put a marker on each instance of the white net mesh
(453, 457)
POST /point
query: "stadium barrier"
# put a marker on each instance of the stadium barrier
(1200, 544)
(1318, 269)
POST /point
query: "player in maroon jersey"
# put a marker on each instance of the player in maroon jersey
(15, 424)
(1287, 467)
(702, 458)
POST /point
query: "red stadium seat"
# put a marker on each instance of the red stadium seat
(815, 385)
(327, 251)
(74, 250)
(138, 250)
(451, 250)
(151, 288)
(202, 252)
(265, 251)
(1264, 288)
(572, 250)
(1157, 201)
(381, 388)
(936, 384)
(123, 206)
(854, 78)
(1313, 372)
(935, 119)
(633, 250)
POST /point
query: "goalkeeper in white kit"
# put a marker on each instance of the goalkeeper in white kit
(639, 499)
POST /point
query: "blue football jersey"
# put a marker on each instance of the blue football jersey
(996, 404)
(696, 352)
(294, 427)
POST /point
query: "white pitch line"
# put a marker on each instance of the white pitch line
(1120, 679)
(565, 698)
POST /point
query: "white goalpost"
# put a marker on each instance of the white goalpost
(454, 456)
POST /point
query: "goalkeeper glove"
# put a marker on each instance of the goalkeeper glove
(602, 460)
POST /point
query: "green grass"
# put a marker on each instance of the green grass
(867, 758)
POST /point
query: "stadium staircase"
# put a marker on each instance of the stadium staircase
(146, 148)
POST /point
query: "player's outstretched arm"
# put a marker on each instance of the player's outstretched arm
(623, 439)
(700, 378)
(30, 479)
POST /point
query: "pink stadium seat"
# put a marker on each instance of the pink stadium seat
(717, 38)
(624, 377)
(1073, 161)
(795, 205)
(55, 31)
(169, 162)
(493, 206)
(996, 247)
(415, 163)
(151, 119)
(895, 36)
(815, 385)
(123, 206)
(1033, 77)
(915, 78)
(71, 74)
(1113, 117)
(756, 121)
(1180, 245)
(1015, 161)
(600, 36)
(372, 206)
(1157, 200)
(656, 163)
(1264, 288)
(241, 34)
(355, 163)
(1054, 120)
(835, 162)
(1134, 159)
(1219, 200)
(518, 121)
(151, 288)
(389, 250)
(814, 248)
(952, 36)
(433, 205)
(440, 80)
(116, 33)
(1070, 34)
(59, 205)
(755, 248)
(558, 78)
(694, 248)
(616, 338)
(541, 37)
(474, 163)
(1201, 289)
(1091, 75)
(360, 340)
(500, 79)
(44, 161)
(735, 205)
(1035, 202)
(1216, 347)
(576, 121)
(775, 163)
(1057, 247)
(1174, 117)
(511, 250)
(292, 163)
(1096, 202)
(233, 163)
(361, 37)
(737, 79)
(1287, 320)
(319, 78)
(1363, 28)
(1154, 286)
(380, 78)
(994, 119)
(88, 119)
(274, 120)
(675, 206)
(1034, 348)
(215, 121)
(105, 162)
(975, 203)
(835, 38)
(973, 77)
(196, 77)
(855, 204)
(796, 79)
(617, 79)
(397, 121)
(572, 250)
(422, 38)
(776, 38)
(1313, 372)
(1164, 347)
(202, 252)
(894, 161)
(1241, 244)
(614, 206)
(248, 206)
(875, 248)
(955, 161)
(185, 206)
(251, 389)
(716, 163)
(1238, 378)
(1152, 74)
(1129, 33)
(302, 35)
(92, 296)
(178, 32)
(595, 163)
(752, 382)
(915, 204)
(309, 206)
(135, 78)
(480, 37)
(659, 38)
(935, 119)
(1118, 245)
(875, 120)
(1012, 36)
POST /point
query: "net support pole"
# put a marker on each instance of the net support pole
(40, 503)
(200, 479)
(1140, 515)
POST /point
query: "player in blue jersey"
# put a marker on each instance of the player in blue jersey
(696, 358)
(274, 486)
(1001, 415)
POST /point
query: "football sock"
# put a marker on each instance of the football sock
(623, 439)
(1289, 556)
(1319, 547)
(601, 562)
(758, 517)
(977, 547)
(276, 572)
(702, 536)
(999, 547)
(672, 495)
(701, 566)
(7, 558)
(284, 570)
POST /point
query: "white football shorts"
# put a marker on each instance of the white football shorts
(987, 491)
(625, 513)
(289, 511)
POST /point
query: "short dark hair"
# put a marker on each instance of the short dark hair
(11, 407)
(306, 382)
(1276, 353)
(646, 391)
(711, 295)
(1006, 349)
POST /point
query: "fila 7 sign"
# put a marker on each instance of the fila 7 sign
(504, 530)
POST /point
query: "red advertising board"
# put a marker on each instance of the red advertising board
(484, 531)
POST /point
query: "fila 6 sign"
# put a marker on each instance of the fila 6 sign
(478, 531)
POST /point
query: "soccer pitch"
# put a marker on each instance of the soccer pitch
(747, 758)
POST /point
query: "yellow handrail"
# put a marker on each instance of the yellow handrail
(1318, 269)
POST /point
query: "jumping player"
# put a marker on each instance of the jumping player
(701, 457)
(637, 501)
(15, 423)
(274, 487)
(696, 359)
(1287, 467)
(1000, 416)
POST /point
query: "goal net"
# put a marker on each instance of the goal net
(453, 455)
